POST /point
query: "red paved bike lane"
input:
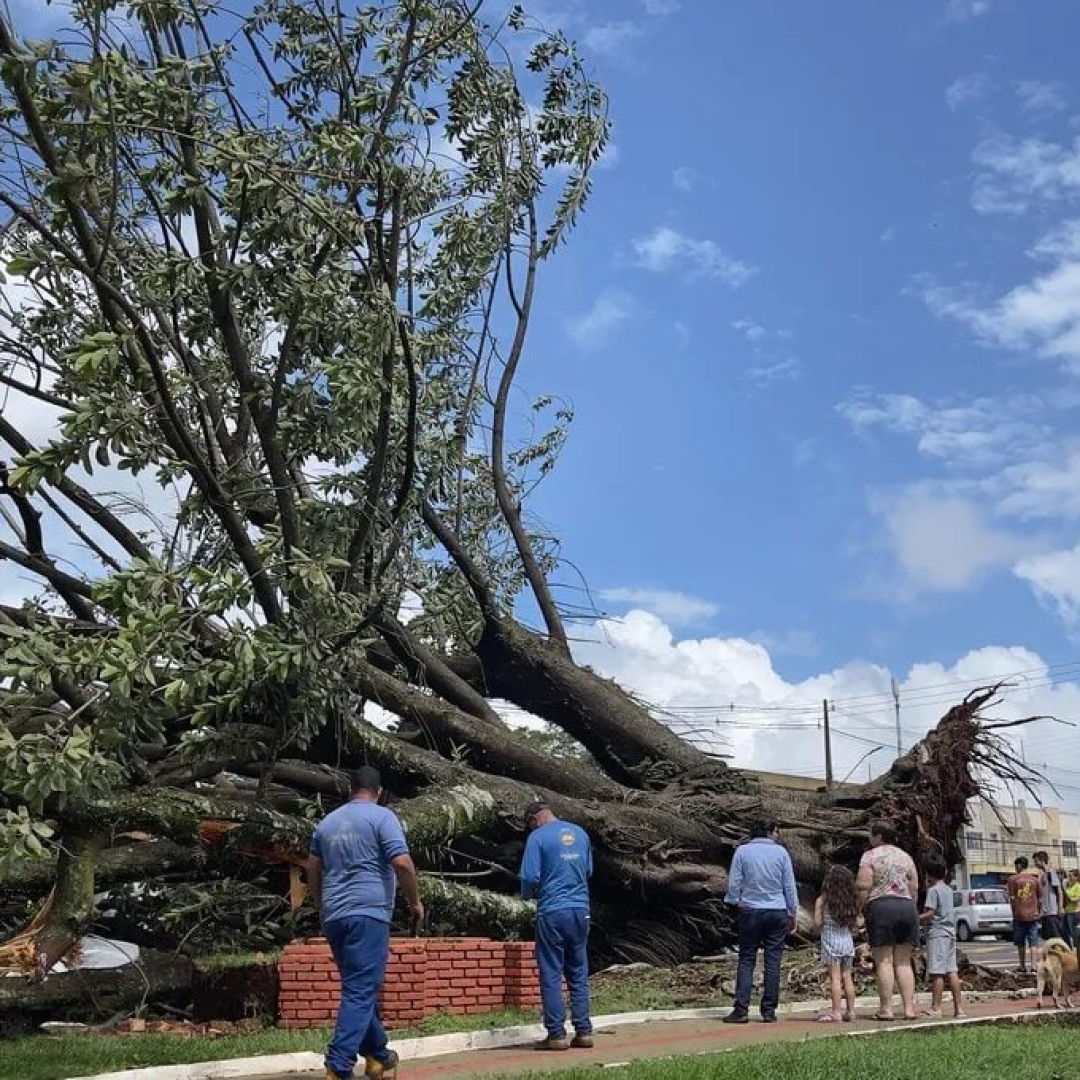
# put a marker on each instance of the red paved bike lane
(658, 1039)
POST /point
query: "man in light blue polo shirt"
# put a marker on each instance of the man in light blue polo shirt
(358, 857)
(761, 882)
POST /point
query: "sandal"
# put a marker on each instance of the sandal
(884, 1018)
(848, 1017)
(934, 1014)
(828, 1018)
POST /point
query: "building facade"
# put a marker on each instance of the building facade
(998, 834)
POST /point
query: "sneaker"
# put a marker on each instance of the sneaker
(736, 1018)
(553, 1042)
(583, 1042)
(331, 1075)
(377, 1068)
(768, 1018)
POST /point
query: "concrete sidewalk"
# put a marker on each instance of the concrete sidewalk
(666, 1039)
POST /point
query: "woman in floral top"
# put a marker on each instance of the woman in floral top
(888, 885)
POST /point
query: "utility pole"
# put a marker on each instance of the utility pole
(896, 702)
(828, 746)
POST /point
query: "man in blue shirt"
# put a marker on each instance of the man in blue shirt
(555, 871)
(358, 856)
(761, 881)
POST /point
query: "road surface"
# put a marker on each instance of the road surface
(990, 952)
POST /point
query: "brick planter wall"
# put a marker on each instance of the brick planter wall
(424, 976)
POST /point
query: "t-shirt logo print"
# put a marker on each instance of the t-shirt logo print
(567, 837)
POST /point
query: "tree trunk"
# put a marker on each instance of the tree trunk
(631, 746)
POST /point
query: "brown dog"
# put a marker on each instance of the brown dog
(1057, 969)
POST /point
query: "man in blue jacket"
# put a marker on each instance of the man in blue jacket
(555, 871)
(761, 881)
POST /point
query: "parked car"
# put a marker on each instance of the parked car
(982, 911)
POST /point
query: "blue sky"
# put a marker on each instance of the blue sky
(820, 327)
(797, 391)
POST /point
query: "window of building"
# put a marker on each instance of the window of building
(1068, 849)
(974, 841)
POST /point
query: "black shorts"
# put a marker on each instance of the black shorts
(892, 920)
(1051, 927)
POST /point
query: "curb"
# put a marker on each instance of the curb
(430, 1046)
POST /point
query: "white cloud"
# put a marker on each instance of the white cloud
(1041, 315)
(967, 89)
(961, 11)
(612, 38)
(888, 235)
(787, 369)
(661, 7)
(944, 542)
(728, 693)
(666, 249)
(966, 434)
(674, 608)
(1055, 577)
(611, 309)
(1040, 96)
(751, 330)
(684, 178)
(1016, 174)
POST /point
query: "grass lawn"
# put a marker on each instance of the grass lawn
(1030, 1051)
(47, 1057)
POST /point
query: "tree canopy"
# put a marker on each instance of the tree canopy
(269, 281)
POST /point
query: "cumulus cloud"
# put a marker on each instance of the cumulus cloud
(1055, 577)
(727, 692)
(674, 608)
(665, 249)
(944, 542)
(596, 326)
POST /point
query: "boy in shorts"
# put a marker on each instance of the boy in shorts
(937, 917)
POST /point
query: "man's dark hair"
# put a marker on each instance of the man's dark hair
(884, 830)
(1021, 864)
(536, 807)
(366, 778)
(934, 866)
(761, 827)
(1041, 856)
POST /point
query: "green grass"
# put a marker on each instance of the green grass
(47, 1057)
(1018, 1052)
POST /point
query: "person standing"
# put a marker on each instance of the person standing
(358, 857)
(1072, 904)
(888, 884)
(836, 915)
(1051, 898)
(761, 882)
(1023, 889)
(555, 871)
(937, 917)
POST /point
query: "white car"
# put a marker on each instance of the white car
(982, 911)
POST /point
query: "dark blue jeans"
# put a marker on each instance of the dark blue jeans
(562, 939)
(361, 948)
(760, 930)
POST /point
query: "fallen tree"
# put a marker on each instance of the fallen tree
(282, 267)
